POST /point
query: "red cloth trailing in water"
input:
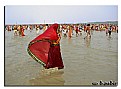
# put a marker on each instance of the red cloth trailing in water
(43, 51)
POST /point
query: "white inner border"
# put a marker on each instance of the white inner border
(54, 2)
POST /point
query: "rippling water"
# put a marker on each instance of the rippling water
(86, 60)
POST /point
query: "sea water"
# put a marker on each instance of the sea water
(86, 61)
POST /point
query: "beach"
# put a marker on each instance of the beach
(86, 61)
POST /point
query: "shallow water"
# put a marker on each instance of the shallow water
(86, 60)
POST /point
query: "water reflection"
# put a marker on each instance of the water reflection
(109, 38)
(55, 78)
(87, 42)
(69, 40)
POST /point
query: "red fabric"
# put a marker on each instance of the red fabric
(40, 48)
(54, 58)
(50, 33)
(22, 32)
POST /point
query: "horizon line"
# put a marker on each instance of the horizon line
(64, 22)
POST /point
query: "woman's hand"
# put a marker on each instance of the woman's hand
(59, 35)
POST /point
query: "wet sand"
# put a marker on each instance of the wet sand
(86, 60)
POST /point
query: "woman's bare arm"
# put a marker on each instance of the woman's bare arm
(58, 40)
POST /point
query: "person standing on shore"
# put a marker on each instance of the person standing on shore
(106, 30)
(64, 31)
(88, 35)
(22, 31)
(15, 30)
(70, 31)
(45, 27)
(117, 29)
(88, 31)
(110, 30)
(19, 30)
(37, 29)
(80, 29)
(77, 30)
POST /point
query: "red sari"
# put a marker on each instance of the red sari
(22, 32)
(43, 51)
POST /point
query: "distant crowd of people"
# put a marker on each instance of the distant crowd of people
(65, 29)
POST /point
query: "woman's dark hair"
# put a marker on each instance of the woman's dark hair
(88, 24)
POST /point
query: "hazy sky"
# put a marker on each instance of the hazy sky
(60, 14)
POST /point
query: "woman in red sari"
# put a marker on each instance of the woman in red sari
(45, 48)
